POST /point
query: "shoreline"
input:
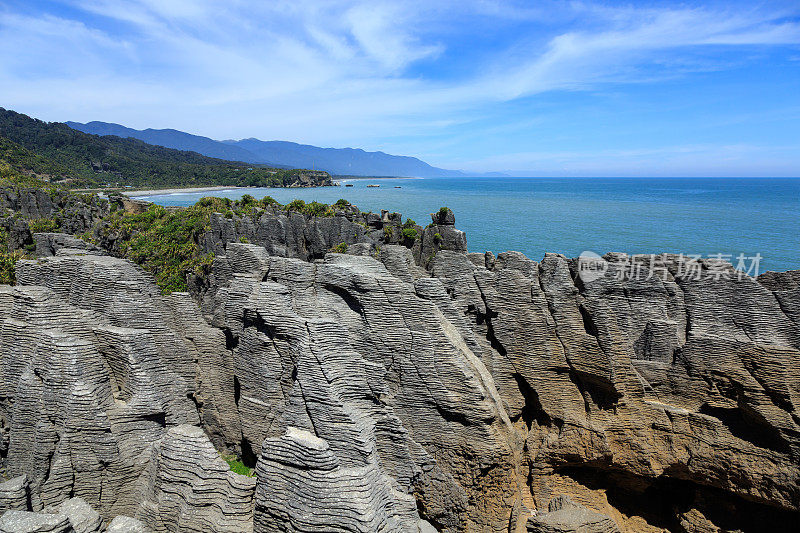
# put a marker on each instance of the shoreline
(177, 190)
(160, 192)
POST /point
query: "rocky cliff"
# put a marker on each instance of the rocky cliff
(401, 386)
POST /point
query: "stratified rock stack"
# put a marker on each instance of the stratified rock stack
(77, 213)
(441, 234)
(96, 366)
(317, 327)
(397, 388)
(14, 494)
(188, 487)
(304, 486)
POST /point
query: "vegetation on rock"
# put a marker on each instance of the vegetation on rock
(167, 242)
(8, 260)
(164, 242)
(410, 233)
(238, 467)
(340, 248)
(43, 225)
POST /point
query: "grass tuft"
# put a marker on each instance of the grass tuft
(238, 467)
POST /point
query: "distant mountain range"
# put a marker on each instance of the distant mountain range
(342, 161)
(60, 154)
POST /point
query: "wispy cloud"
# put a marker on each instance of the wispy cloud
(375, 74)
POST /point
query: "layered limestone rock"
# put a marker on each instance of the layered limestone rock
(666, 383)
(71, 516)
(441, 234)
(188, 487)
(398, 387)
(14, 494)
(305, 486)
(20, 207)
(96, 366)
(28, 522)
(50, 244)
(82, 517)
(371, 365)
(292, 234)
(126, 524)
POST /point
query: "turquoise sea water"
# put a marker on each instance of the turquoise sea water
(706, 216)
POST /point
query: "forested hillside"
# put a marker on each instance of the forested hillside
(56, 152)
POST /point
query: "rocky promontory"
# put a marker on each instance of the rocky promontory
(374, 376)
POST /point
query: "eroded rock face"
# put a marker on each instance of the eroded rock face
(371, 365)
(50, 244)
(96, 366)
(663, 385)
(21, 205)
(305, 486)
(296, 235)
(14, 494)
(479, 393)
(28, 522)
(187, 486)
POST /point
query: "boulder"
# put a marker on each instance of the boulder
(81, 516)
(565, 516)
(28, 522)
(14, 494)
(126, 524)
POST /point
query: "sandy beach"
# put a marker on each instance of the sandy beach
(158, 192)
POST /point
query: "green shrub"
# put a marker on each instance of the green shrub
(244, 240)
(269, 201)
(341, 203)
(88, 237)
(165, 243)
(219, 205)
(410, 233)
(340, 248)
(437, 238)
(43, 225)
(296, 205)
(443, 211)
(8, 261)
(316, 209)
(247, 205)
(409, 223)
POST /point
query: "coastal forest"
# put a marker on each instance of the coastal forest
(59, 154)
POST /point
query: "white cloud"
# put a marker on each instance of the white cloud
(344, 72)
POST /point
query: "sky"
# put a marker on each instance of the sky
(528, 88)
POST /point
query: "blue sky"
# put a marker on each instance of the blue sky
(529, 88)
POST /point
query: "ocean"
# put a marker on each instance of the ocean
(750, 221)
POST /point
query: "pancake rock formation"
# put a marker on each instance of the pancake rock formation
(404, 386)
